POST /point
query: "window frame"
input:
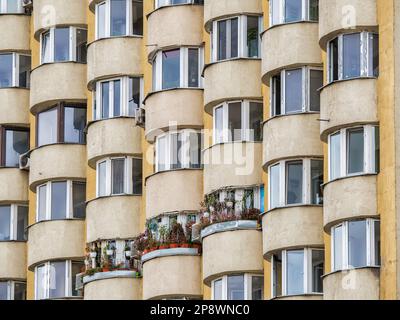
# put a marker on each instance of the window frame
(14, 222)
(169, 3)
(11, 288)
(16, 68)
(305, 13)
(4, 7)
(3, 142)
(247, 285)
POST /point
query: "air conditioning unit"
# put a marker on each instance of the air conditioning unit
(196, 232)
(27, 3)
(79, 281)
(140, 116)
(24, 161)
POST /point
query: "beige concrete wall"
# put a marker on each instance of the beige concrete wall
(173, 276)
(237, 251)
(126, 58)
(230, 80)
(181, 190)
(292, 136)
(58, 161)
(349, 198)
(18, 190)
(56, 82)
(294, 45)
(58, 239)
(301, 298)
(113, 216)
(339, 15)
(348, 103)
(14, 106)
(184, 109)
(113, 289)
(18, 39)
(359, 284)
(175, 26)
(113, 137)
(13, 260)
(292, 227)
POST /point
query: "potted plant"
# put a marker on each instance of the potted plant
(105, 266)
(109, 250)
(128, 251)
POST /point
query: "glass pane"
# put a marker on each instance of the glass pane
(377, 244)
(5, 223)
(357, 244)
(3, 290)
(294, 186)
(276, 10)
(193, 76)
(47, 127)
(338, 248)
(222, 40)
(6, 70)
(19, 291)
(79, 200)
(81, 41)
(351, 55)
(295, 272)
(12, 6)
(377, 149)
(117, 98)
(59, 200)
(334, 160)
(102, 179)
(22, 223)
(235, 288)
(24, 71)
(171, 69)
(373, 68)
(154, 77)
(41, 283)
(101, 20)
(176, 150)
(294, 90)
(17, 143)
(57, 280)
(334, 60)
(316, 82)
(42, 193)
(277, 276)
(217, 290)
(137, 176)
(317, 270)
(118, 176)
(293, 10)
(235, 121)
(274, 186)
(314, 10)
(252, 36)
(134, 96)
(256, 119)
(317, 179)
(61, 44)
(276, 93)
(74, 125)
(257, 288)
(234, 37)
(105, 100)
(118, 17)
(46, 50)
(161, 153)
(76, 269)
(355, 151)
(219, 125)
(137, 17)
(195, 150)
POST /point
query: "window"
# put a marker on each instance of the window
(295, 182)
(354, 151)
(238, 287)
(238, 121)
(59, 200)
(15, 70)
(178, 68)
(11, 6)
(13, 222)
(355, 244)
(12, 290)
(179, 150)
(56, 279)
(236, 37)
(287, 11)
(63, 44)
(61, 124)
(119, 176)
(13, 143)
(164, 3)
(353, 55)
(297, 272)
(116, 18)
(296, 90)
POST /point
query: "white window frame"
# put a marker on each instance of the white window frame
(247, 285)
(15, 68)
(11, 288)
(14, 221)
(4, 9)
(305, 12)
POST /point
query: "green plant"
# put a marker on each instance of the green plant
(163, 232)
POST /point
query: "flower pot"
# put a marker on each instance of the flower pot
(93, 254)
(174, 245)
(229, 204)
(106, 269)
(109, 252)
(185, 245)
(128, 254)
(163, 247)
(146, 251)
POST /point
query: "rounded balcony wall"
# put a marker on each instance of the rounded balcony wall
(182, 191)
(289, 46)
(113, 289)
(13, 260)
(112, 57)
(358, 284)
(174, 25)
(237, 251)
(302, 140)
(110, 216)
(236, 79)
(292, 227)
(55, 82)
(57, 161)
(348, 103)
(18, 190)
(308, 297)
(171, 277)
(14, 107)
(350, 198)
(341, 15)
(113, 137)
(183, 110)
(56, 240)
(18, 39)
(49, 13)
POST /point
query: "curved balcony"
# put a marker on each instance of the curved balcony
(183, 191)
(49, 13)
(232, 165)
(358, 284)
(110, 216)
(175, 26)
(304, 297)
(14, 107)
(354, 14)
(102, 64)
(18, 190)
(56, 240)
(289, 46)
(292, 136)
(349, 198)
(113, 137)
(184, 109)
(55, 82)
(348, 103)
(113, 287)
(231, 80)
(57, 161)
(292, 227)
(18, 39)
(13, 260)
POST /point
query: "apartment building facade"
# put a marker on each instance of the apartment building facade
(216, 149)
